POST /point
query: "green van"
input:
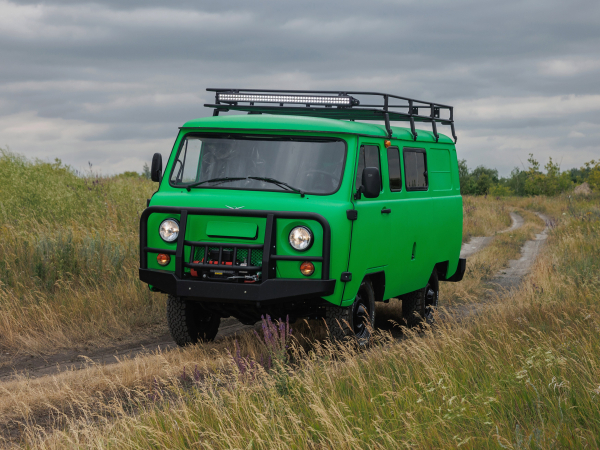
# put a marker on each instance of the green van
(293, 206)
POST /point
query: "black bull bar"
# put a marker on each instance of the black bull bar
(269, 289)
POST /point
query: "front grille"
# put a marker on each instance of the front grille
(237, 263)
(256, 255)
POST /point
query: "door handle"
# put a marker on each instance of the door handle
(386, 211)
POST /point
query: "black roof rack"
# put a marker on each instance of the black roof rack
(333, 105)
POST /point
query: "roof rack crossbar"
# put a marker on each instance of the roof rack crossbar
(333, 104)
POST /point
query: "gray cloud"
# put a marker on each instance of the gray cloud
(111, 81)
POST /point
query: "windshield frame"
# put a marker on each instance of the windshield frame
(257, 137)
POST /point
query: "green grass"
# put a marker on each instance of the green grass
(525, 373)
(69, 246)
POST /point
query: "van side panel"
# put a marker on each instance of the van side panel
(445, 191)
(425, 228)
(440, 175)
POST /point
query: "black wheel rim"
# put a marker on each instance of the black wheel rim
(361, 316)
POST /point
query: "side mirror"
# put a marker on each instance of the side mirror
(371, 182)
(156, 170)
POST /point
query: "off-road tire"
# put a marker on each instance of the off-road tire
(432, 298)
(418, 306)
(345, 322)
(189, 323)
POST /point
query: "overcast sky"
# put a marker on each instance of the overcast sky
(109, 82)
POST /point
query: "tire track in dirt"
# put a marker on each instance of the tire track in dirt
(517, 269)
(507, 278)
(39, 366)
(478, 243)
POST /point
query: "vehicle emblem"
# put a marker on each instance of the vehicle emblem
(234, 207)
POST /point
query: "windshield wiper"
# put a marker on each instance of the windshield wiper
(278, 183)
(212, 180)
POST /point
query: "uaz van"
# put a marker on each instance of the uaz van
(293, 206)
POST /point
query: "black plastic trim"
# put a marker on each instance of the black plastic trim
(160, 250)
(460, 271)
(269, 291)
(297, 258)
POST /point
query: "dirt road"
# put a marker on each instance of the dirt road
(478, 243)
(517, 269)
(39, 366)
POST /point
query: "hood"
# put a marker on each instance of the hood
(243, 199)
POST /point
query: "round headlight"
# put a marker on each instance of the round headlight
(301, 238)
(169, 230)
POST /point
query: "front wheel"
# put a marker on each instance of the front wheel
(189, 323)
(356, 320)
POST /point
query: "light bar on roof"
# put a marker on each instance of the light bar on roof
(342, 100)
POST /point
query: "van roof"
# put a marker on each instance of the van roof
(272, 122)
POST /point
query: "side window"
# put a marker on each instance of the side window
(415, 169)
(367, 157)
(393, 155)
(185, 169)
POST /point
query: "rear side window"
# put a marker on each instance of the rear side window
(415, 169)
(393, 155)
(367, 157)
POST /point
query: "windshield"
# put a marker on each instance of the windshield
(313, 166)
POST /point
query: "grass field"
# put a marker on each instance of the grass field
(523, 373)
(69, 246)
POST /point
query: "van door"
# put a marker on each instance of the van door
(370, 232)
(414, 247)
(399, 243)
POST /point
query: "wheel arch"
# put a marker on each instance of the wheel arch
(378, 282)
(442, 270)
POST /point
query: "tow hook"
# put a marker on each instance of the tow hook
(247, 278)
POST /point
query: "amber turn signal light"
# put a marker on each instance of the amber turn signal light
(163, 259)
(307, 268)
(387, 143)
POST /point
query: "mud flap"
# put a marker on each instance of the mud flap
(460, 271)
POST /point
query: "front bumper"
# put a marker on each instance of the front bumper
(269, 291)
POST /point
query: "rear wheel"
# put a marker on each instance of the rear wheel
(356, 320)
(418, 306)
(189, 322)
(432, 298)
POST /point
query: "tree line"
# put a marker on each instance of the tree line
(533, 180)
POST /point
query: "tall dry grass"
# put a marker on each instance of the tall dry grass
(69, 254)
(522, 374)
(485, 216)
(69, 246)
